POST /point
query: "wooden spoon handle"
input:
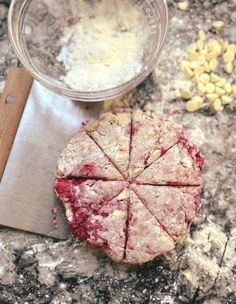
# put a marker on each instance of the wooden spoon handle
(12, 104)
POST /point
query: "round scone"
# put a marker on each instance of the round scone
(130, 184)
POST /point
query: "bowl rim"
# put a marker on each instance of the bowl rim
(91, 96)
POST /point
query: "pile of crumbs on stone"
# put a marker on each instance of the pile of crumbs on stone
(206, 61)
(210, 257)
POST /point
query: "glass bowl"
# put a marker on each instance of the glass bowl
(37, 30)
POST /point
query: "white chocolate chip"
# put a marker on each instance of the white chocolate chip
(183, 5)
(228, 68)
(218, 25)
(226, 100)
(228, 56)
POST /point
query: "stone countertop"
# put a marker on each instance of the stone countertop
(35, 269)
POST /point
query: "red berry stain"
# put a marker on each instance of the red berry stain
(89, 169)
(65, 190)
(62, 187)
(146, 158)
(85, 123)
(89, 107)
(90, 232)
(122, 150)
(136, 127)
(70, 21)
(128, 130)
(193, 151)
(86, 170)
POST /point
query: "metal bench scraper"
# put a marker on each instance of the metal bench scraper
(27, 200)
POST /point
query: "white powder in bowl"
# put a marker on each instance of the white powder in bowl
(105, 47)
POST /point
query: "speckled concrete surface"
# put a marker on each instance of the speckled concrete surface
(38, 270)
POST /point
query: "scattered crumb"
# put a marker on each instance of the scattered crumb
(54, 210)
(204, 256)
